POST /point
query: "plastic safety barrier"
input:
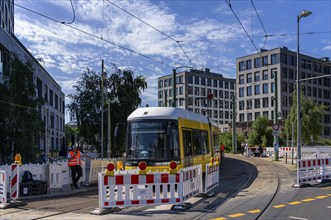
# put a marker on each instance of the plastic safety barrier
(136, 190)
(3, 186)
(192, 181)
(212, 177)
(313, 170)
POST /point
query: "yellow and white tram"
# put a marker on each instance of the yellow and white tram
(159, 135)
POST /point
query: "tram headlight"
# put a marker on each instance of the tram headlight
(142, 167)
(173, 166)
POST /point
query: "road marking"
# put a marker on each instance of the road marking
(254, 211)
(220, 218)
(279, 206)
(294, 203)
(329, 207)
(293, 217)
(236, 215)
(321, 197)
(308, 200)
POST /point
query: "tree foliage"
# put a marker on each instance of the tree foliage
(312, 115)
(122, 89)
(261, 134)
(20, 121)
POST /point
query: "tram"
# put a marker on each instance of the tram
(159, 135)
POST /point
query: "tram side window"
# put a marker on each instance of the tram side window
(187, 143)
(204, 141)
(197, 147)
(174, 146)
(200, 142)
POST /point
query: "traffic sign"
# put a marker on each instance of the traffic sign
(275, 133)
(275, 127)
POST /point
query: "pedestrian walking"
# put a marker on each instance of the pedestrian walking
(222, 148)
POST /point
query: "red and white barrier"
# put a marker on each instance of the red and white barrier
(192, 181)
(212, 177)
(14, 183)
(127, 189)
(313, 170)
(3, 187)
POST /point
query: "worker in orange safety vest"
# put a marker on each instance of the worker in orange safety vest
(74, 162)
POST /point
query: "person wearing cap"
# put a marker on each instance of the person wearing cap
(74, 162)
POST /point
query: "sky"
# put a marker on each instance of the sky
(151, 37)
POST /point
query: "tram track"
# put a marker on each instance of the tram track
(229, 196)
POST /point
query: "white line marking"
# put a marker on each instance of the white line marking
(293, 217)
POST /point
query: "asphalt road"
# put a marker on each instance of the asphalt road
(250, 188)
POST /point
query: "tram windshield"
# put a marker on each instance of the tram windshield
(155, 140)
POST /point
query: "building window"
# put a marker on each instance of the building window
(284, 98)
(196, 80)
(266, 114)
(257, 62)
(241, 65)
(208, 82)
(283, 58)
(248, 64)
(265, 102)
(241, 79)
(274, 59)
(196, 91)
(226, 85)
(160, 94)
(257, 114)
(221, 93)
(249, 78)
(265, 75)
(291, 74)
(56, 102)
(241, 117)
(249, 104)
(241, 92)
(231, 85)
(220, 84)
(265, 88)
(265, 60)
(166, 82)
(203, 81)
(249, 90)
(257, 90)
(161, 84)
(284, 86)
(257, 103)
(51, 97)
(215, 83)
(241, 105)
(181, 90)
(284, 73)
(291, 60)
(257, 76)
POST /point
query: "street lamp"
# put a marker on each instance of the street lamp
(304, 13)
(174, 83)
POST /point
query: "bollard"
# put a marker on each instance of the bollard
(286, 157)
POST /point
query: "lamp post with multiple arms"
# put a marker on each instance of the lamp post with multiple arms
(174, 72)
(304, 13)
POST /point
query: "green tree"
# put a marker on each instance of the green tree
(122, 89)
(261, 134)
(312, 115)
(20, 121)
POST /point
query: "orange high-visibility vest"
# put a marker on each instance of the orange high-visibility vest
(74, 160)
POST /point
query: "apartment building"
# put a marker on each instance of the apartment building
(46, 87)
(199, 91)
(255, 85)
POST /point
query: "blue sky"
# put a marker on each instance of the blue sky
(208, 31)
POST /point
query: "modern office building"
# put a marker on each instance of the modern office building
(199, 91)
(255, 85)
(53, 111)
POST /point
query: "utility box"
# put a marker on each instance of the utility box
(31, 188)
